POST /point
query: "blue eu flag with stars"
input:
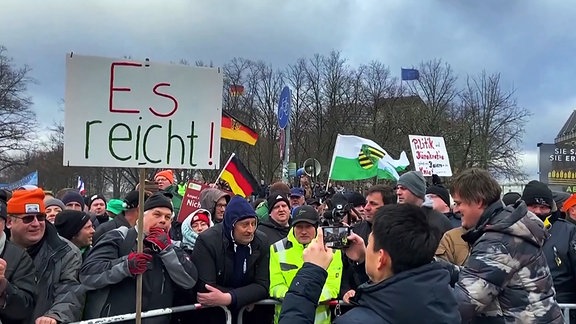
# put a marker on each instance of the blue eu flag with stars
(410, 74)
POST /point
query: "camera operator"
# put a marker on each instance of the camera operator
(354, 273)
(399, 264)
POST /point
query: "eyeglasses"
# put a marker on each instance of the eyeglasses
(27, 219)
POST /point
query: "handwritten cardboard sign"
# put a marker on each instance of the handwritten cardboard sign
(124, 113)
(430, 155)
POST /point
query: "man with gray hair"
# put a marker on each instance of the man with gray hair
(411, 189)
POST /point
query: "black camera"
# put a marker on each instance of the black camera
(335, 231)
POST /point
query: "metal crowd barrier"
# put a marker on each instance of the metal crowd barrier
(153, 313)
(566, 311)
(178, 309)
(277, 302)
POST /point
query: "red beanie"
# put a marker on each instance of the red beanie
(168, 174)
(26, 202)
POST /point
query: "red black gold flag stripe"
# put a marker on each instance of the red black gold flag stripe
(233, 129)
(236, 90)
(239, 179)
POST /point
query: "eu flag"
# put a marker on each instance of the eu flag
(410, 74)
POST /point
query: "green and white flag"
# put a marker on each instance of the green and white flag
(357, 158)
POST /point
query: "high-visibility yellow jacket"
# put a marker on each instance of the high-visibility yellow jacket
(285, 261)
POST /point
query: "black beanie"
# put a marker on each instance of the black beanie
(510, 198)
(441, 192)
(94, 198)
(276, 197)
(72, 196)
(69, 222)
(537, 193)
(158, 200)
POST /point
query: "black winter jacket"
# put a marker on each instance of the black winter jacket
(274, 232)
(17, 289)
(112, 288)
(115, 223)
(390, 301)
(213, 256)
(560, 252)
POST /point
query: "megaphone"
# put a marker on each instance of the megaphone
(311, 167)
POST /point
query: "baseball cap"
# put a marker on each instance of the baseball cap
(296, 192)
(306, 214)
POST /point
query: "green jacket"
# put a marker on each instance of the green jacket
(176, 198)
(285, 261)
(262, 211)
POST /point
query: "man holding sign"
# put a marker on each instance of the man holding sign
(111, 268)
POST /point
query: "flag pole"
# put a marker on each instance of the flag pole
(332, 163)
(224, 168)
(140, 240)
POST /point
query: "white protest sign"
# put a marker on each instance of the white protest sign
(124, 113)
(430, 155)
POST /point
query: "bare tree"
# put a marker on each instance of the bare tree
(495, 125)
(17, 119)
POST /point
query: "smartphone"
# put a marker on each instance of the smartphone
(336, 237)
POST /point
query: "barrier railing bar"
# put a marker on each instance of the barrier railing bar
(178, 309)
(240, 320)
(154, 313)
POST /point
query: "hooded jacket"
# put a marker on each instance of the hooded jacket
(285, 261)
(215, 253)
(188, 235)
(506, 278)
(390, 301)
(208, 199)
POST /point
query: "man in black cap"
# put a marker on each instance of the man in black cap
(126, 218)
(112, 265)
(560, 246)
(286, 257)
(277, 226)
(17, 276)
(97, 205)
(76, 227)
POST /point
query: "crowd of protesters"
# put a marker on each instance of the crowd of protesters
(416, 252)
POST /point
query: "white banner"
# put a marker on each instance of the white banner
(430, 155)
(124, 113)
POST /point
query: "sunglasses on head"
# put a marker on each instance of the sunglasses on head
(27, 219)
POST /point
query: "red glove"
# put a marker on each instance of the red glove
(138, 262)
(158, 238)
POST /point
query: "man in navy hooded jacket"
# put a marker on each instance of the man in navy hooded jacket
(232, 260)
(405, 285)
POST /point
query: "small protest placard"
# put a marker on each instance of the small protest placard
(430, 155)
(191, 199)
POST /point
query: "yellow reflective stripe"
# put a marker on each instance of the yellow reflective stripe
(280, 251)
(322, 315)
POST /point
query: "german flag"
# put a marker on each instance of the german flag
(235, 130)
(236, 90)
(239, 179)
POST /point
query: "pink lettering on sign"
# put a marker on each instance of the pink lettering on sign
(429, 155)
(423, 143)
(155, 90)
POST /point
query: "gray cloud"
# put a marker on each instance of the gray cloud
(529, 42)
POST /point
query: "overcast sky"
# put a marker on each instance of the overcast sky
(530, 42)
